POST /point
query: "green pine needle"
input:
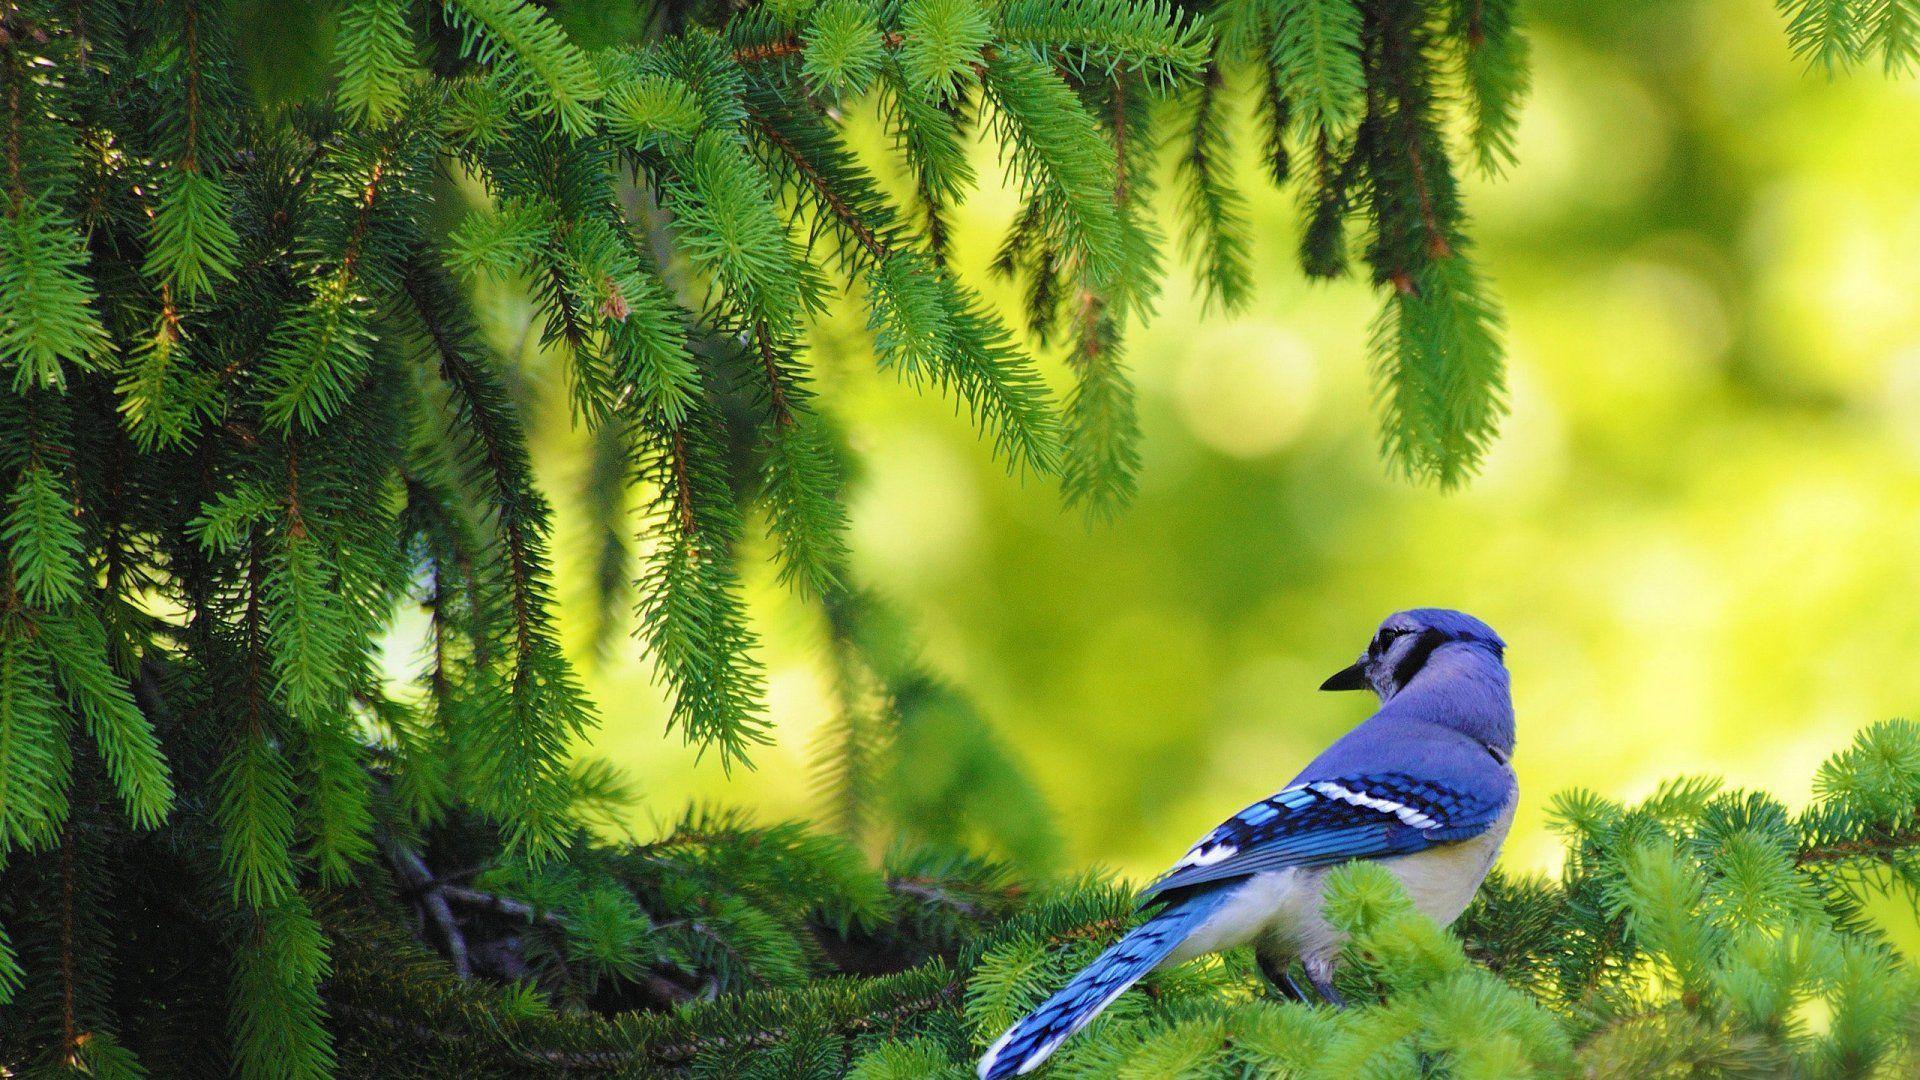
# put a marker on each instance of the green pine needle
(1213, 213)
(124, 737)
(1106, 38)
(1317, 55)
(256, 816)
(1101, 462)
(1824, 33)
(1496, 74)
(43, 537)
(308, 630)
(47, 321)
(1059, 155)
(1438, 372)
(652, 110)
(11, 976)
(278, 1018)
(727, 224)
(374, 49)
(192, 245)
(539, 64)
(801, 486)
(317, 357)
(34, 759)
(942, 43)
(843, 47)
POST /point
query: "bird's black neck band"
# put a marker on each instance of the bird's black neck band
(1417, 656)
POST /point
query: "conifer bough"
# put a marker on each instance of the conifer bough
(248, 417)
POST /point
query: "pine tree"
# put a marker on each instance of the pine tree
(1693, 934)
(249, 418)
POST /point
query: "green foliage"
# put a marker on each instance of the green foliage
(256, 815)
(1066, 165)
(43, 538)
(47, 322)
(374, 49)
(193, 244)
(690, 608)
(76, 645)
(250, 424)
(532, 57)
(843, 47)
(941, 44)
(1213, 212)
(801, 478)
(1495, 75)
(1109, 38)
(1833, 35)
(1316, 52)
(34, 762)
(277, 969)
(906, 748)
(1693, 934)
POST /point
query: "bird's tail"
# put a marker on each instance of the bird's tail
(1035, 1036)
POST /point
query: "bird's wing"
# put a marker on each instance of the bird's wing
(1333, 820)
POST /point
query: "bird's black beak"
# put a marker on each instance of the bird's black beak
(1352, 677)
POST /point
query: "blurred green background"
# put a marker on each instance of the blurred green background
(1700, 530)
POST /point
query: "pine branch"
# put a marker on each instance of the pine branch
(1213, 213)
(521, 782)
(533, 56)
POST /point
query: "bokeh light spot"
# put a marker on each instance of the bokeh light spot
(1246, 389)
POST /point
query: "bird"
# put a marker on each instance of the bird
(1425, 787)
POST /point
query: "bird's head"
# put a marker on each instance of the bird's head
(1404, 644)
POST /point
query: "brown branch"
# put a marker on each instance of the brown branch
(782, 409)
(500, 905)
(296, 522)
(1881, 848)
(453, 368)
(775, 50)
(14, 26)
(1089, 931)
(661, 987)
(849, 218)
(939, 891)
(69, 1035)
(626, 1059)
(682, 493)
(1476, 24)
(1093, 307)
(14, 182)
(787, 47)
(188, 160)
(883, 1021)
(414, 875)
(363, 218)
(1438, 246)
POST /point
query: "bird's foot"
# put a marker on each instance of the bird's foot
(1320, 976)
(1279, 977)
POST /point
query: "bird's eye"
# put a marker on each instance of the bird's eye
(1385, 639)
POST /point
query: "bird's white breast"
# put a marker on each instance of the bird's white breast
(1283, 906)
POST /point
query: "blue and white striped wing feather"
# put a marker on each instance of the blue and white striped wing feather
(1323, 822)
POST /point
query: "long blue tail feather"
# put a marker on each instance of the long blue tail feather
(1035, 1036)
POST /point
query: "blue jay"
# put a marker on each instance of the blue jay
(1424, 786)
